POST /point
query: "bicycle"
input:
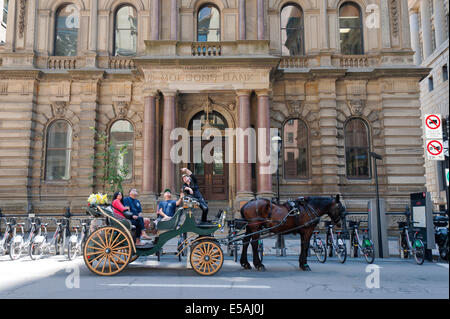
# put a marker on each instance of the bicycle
(232, 247)
(366, 246)
(7, 235)
(18, 244)
(416, 248)
(318, 247)
(77, 240)
(40, 246)
(335, 244)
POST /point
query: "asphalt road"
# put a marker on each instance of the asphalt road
(55, 277)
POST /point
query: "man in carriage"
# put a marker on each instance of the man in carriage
(167, 208)
(190, 187)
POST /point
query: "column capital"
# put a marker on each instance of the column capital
(240, 92)
(150, 92)
(169, 93)
(413, 11)
(263, 92)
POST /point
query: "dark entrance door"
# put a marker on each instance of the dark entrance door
(212, 177)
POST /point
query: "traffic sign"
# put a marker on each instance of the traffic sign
(433, 126)
(435, 150)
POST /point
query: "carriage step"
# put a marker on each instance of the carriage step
(146, 246)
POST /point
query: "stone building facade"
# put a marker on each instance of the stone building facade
(429, 34)
(336, 77)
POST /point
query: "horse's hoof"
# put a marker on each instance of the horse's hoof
(305, 267)
(261, 268)
(246, 266)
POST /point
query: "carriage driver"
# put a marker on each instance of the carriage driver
(190, 187)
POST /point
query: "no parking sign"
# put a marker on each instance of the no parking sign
(435, 150)
(433, 126)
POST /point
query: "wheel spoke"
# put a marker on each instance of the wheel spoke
(98, 264)
(92, 261)
(112, 247)
(101, 239)
(100, 245)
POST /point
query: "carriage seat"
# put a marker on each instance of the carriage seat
(127, 223)
(171, 223)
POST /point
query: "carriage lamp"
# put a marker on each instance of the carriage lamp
(277, 144)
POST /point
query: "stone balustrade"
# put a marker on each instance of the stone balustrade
(351, 61)
(116, 63)
(293, 62)
(62, 63)
(206, 49)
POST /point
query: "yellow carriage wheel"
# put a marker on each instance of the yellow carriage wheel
(107, 251)
(133, 258)
(206, 258)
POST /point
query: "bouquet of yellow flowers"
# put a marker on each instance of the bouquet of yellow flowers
(98, 199)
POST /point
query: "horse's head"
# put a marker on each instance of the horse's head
(336, 210)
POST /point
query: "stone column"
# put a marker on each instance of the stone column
(328, 132)
(415, 36)
(242, 25)
(93, 26)
(168, 167)
(385, 25)
(174, 21)
(244, 169)
(439, 22)
(264, 180)
(426, 28)
(260, 19)
(149, 165)
(406, 32)
(155, 20)
(324, 22)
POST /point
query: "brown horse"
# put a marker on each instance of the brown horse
(262, 213)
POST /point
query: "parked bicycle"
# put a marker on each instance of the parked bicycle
(365, 247)
(441, 235)
(415, 248)
(20, 245)
(7, 235)
(40, 244)
(336, 244)
(77, 240)
(319, 247)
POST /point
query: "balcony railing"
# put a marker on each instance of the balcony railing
(353, 61)
(120, 63)
(62, 63)
(293, 62)
(206, 49)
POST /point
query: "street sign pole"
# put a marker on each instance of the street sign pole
(380, 242)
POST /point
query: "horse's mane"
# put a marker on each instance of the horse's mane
(320, 202)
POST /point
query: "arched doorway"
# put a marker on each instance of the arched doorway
(212, 175)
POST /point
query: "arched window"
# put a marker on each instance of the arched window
(350, 29)
(208, 24)
(59, 144)
(122, 134)
(357, 148)
(295, 149)
(292, 35)
(125, 31)
(66, 31)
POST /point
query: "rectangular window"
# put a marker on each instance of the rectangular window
(430, 84)
(445, 73)
(5, 12)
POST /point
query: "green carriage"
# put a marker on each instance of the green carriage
(111, 247)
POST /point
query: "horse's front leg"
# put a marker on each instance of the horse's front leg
(305, 236)
(256, 261)
(245, 242)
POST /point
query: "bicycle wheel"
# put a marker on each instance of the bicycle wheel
(369, 252)
(320, 250)
(15, 250)
(72, 250)
(341, 252)
(36, 250)
(419, 251)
